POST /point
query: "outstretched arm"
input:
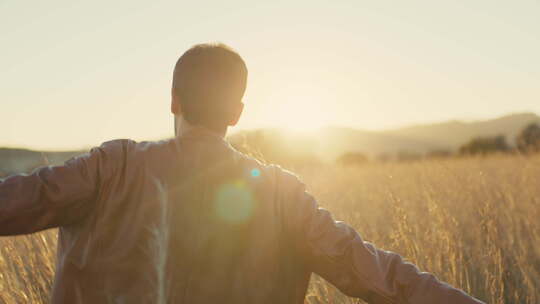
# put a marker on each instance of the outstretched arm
(336, 252)
(50, 196)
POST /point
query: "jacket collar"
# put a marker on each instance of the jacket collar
(185, 130)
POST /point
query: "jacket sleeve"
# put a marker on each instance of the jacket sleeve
(51, 196)
(337, 253)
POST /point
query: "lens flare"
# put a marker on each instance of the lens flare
(255, 172)
(234, 202)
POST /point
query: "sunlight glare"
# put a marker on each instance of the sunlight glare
(302, 114)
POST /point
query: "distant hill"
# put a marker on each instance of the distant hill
(452, 134)
(327, 143)
(331, 142)
(336, 141)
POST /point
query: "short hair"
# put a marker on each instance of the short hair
(208, 80)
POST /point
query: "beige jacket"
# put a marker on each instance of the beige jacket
(191, 220)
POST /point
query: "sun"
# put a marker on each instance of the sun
(301, 115)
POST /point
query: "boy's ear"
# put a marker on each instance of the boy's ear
(236, 114)
(176, 109)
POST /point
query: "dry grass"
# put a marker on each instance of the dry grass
(473, 222)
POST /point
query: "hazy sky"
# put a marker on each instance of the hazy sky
(76, 73)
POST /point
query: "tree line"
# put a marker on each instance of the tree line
(527, 142)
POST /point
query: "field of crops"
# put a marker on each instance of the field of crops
(474, 222)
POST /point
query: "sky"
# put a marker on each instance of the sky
(74, 74)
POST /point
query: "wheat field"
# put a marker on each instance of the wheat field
(474, 222)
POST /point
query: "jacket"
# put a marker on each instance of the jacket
(192, 220)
